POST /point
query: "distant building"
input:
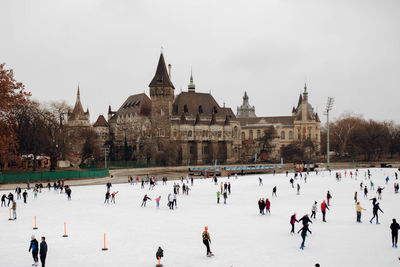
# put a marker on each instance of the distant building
(303, 125)
(245, 110)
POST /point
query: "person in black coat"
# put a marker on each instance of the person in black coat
(305, 220)
(395, 232)
(261, 206)
(43, 251)
(304, 231)
(375, 210)
(34, 246)
(25, 195)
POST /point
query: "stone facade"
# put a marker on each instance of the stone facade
(301, 126)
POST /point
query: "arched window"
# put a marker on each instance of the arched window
(290, 134)
(251, 134)
(283, 135)
(258, 133)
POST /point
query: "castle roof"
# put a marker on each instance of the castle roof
(285, 120)
(101, 122)
(192, 103)
(161, 77)
(135, 104)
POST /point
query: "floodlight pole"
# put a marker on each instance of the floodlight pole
(328, 108)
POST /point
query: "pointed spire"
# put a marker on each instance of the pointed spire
(161, 77)
(300, 100)
(191, 86)
(109, 109)
(305, 93)
(197, 121)
(213, 119)
(293, 110)
(78, 94)
(227, 120)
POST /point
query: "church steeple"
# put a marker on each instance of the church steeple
(191, 86)
(161, 77)
(305, 93)
(78, 109)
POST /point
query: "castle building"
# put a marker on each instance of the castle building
(302, 125)
(200, 130)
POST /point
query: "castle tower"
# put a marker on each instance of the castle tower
(191, 86)
(304, 104)
(245, 110)
(162, 97)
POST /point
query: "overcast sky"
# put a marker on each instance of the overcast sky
(346, 49)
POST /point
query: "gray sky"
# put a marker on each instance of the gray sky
(346, 49)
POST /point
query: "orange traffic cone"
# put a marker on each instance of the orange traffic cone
(104, 248)
(35, 228)
(65, 230)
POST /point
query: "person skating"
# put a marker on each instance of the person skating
(293, 220)
(207, 241)
(3, 200)
(68, 191)
(225, 195)
(314, 210)
(107, 198)
(229, 188)
(14, 210)
(298, 189)
(18, 191)
(170, 202)
(292, 182)
(355, 197)
(304, 231)
(108, 185)
(174, 196)
(267, 206)
(25, 196)
(379, 191)
(145, 198)
(35, 192)
(43, 251)
(34, 246)
(10, 199)
(365, 192)
(394, 227)
(305, 220)
(218, 196)
(113, 194)
(274, 191)
(375, 210)
(328, 197)
(324, 207)
(260, 181)
(374, 200)
(158, 201)
(261, 206)
(359, 209)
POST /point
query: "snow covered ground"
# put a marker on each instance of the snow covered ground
(240, 236)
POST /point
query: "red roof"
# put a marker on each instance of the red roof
(101, 122)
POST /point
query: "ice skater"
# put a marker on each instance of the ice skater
(107, 198)
(355, 197)
(261, 206)
(274, 191)
(25, 196)
(158, 201)
(379, 191)
(3, 200)
(260, 181)
(207, 241)
(314, 210)
(225, 194)
(359, 209)
(375, 210)
(14, 210)
(218, 196)
(324, 207)
(113, 194)
(304, 231)
(394, 227)
(43, 251)
(365, 192)
(34, 246)
(328, 197)
(145, 198)
(298, 189)
(293, 220)
(267, 206)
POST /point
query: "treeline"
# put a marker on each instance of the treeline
(30, 128)
(353, 137)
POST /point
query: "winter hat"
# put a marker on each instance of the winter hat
(206, 228)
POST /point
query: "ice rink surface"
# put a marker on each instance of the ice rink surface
(241, 237)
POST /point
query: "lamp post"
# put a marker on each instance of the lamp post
(329, 105)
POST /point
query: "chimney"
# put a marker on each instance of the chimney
(169, 70)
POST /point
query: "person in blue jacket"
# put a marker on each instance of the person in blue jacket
(34, 246)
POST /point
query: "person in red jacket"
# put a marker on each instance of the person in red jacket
(324, 207)
(267, 206)
(293, 220)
